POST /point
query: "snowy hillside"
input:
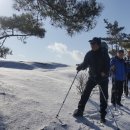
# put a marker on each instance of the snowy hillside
(31, 94)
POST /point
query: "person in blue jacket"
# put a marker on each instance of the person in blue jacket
(119, 72)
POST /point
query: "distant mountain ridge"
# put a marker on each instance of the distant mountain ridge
(30, 65)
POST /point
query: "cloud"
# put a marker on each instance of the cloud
(62, 49)
(58, 47)
(77, 55)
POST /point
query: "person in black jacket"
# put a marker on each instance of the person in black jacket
(98, 62)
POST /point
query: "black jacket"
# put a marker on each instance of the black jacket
(97, 62)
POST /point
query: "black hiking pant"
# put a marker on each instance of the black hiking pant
(117, 91)
(91, 83)
(125, 88)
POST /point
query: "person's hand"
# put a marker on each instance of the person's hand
(78, 68)
(113, 68)
(103, 74)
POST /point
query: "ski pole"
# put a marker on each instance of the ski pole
(109, 107)
(66, 95)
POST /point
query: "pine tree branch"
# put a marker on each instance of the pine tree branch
(15, 35)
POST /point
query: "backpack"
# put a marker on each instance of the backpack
(104, 46)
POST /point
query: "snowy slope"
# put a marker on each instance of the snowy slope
(31, 98)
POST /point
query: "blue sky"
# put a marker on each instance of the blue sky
(57, 46)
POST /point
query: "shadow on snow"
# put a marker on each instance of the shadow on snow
(30, 65)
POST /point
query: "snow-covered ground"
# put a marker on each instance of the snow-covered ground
(32, 93)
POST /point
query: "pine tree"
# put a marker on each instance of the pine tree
(116, 37)
(72, 15)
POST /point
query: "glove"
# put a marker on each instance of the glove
(113, 69)
(79, 68)
(103, 74)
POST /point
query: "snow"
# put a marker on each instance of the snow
(31, 94)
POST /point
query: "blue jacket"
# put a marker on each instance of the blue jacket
(120, 71)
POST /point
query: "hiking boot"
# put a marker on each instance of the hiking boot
(78, 113)
(126, 95)
(114, 104)
(102, 120)
(121, 105)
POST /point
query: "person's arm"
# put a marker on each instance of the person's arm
(85, 63)
(112, 65)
